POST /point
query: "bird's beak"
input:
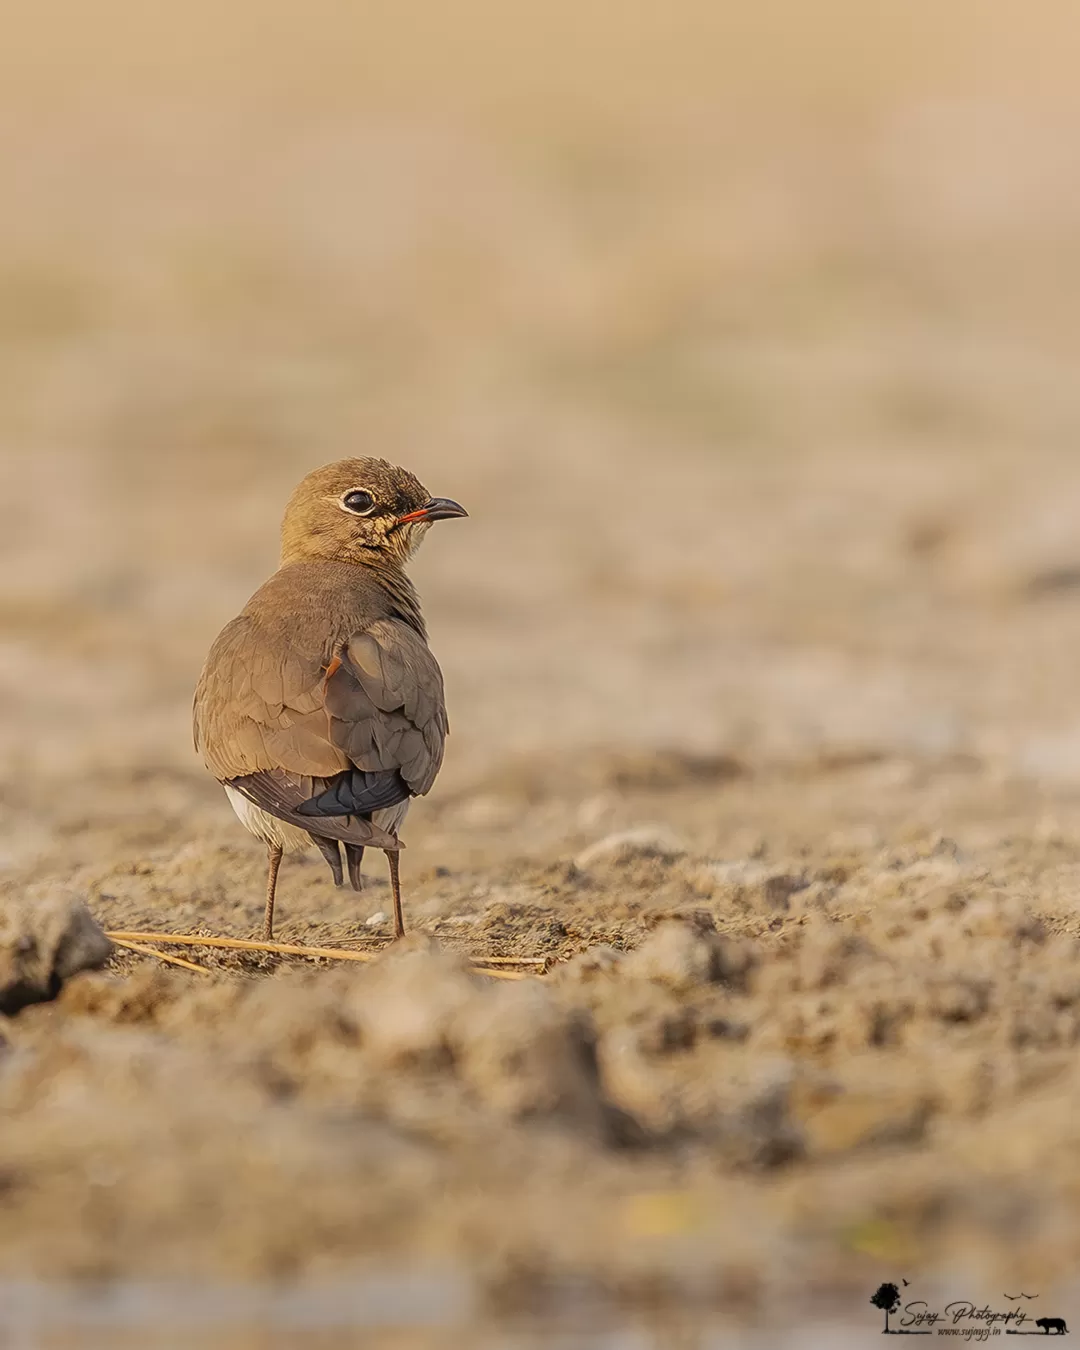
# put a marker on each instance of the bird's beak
(438, 508)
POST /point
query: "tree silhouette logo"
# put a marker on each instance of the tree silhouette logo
(887, 1299)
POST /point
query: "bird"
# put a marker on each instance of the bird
(320, 707)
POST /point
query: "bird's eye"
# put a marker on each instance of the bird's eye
(359, 503)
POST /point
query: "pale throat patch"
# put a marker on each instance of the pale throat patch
(416, 529)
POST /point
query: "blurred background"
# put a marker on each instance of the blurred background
(748, 335)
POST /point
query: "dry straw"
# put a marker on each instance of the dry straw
(491, 966)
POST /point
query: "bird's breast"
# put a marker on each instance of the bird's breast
(277, 833)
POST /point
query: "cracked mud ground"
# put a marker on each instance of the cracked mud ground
(761, 647)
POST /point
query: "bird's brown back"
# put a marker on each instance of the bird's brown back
(261, 700)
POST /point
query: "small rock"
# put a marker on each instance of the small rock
(43, 943)
(376, 919)
(647, 841)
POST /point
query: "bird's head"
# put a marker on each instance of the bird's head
(361, 511)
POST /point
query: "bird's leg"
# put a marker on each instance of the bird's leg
(355, 855)
(395, 886)
(274, 862)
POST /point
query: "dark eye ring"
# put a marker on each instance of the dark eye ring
(359, 503)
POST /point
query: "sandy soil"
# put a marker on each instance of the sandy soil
(760, 644)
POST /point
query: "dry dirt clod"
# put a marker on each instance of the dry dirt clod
(528, 1059)
(43, 943)
(837, 1118)
(681, 955)
(674, 954)
(405, 1008)
(592, 964)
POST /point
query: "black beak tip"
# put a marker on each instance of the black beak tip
(444, 508)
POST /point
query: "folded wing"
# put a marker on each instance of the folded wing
(323, 743)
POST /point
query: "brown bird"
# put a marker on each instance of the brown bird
(320, 708)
